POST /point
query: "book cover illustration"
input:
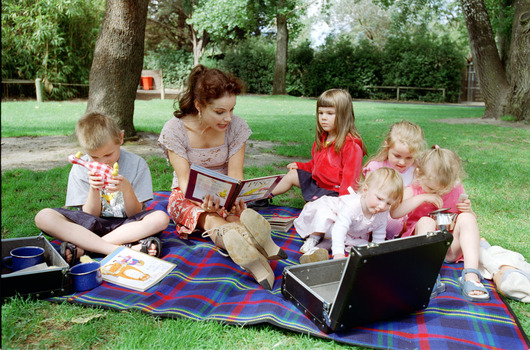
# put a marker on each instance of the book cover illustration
(257, 188)
(131, 269)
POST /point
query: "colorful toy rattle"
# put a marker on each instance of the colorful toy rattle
(103, 170)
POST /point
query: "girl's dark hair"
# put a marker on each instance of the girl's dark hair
(206, 84)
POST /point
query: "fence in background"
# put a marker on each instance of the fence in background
(158, 86)
(399, 88)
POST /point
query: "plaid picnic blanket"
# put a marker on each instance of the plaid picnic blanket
(208, 286)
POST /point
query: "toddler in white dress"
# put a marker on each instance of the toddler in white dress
(349, 220)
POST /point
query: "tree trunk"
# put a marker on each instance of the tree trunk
(519, 106)
(491, 74)
(503, 37)
(280, 61)
(199, 44)
(118, 61)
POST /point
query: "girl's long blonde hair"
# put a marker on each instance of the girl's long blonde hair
(344, 117)
(442, 166)
(405, 132)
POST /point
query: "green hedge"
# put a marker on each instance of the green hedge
(420, 61)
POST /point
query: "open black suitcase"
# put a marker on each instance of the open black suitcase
(376, 282)
(53, 281)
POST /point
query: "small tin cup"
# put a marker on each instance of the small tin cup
(86, 276)
(23, 257)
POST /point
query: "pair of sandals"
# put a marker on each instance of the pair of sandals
(146, 243)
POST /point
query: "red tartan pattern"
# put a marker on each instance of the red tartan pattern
(99, 169)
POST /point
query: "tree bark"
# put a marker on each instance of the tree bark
(118, 61)
(491, 74)
(519, 105)
(280, 60)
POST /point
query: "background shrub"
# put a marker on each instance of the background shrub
(253, 61)
(175, 65)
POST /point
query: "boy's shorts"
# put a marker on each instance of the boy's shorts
(310, 189)
(99, 225)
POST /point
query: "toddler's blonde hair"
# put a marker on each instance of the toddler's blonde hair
(93, 130)
(386, 178)
(405, 132)
(442, 166)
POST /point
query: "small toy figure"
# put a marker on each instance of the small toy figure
(103, 170)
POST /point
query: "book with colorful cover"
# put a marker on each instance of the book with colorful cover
(135, 270)
(203, 181)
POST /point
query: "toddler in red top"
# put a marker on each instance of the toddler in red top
(438, 184)
(337, 153)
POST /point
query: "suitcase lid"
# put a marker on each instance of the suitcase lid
(390, 279)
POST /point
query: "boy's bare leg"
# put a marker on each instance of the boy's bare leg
(288, 181)
(150, 225)
(58, 226)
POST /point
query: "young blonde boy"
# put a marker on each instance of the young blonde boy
(109, 216)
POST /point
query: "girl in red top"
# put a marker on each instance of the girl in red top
(337, 153)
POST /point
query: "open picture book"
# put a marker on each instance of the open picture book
(131, 269)
(228, 190)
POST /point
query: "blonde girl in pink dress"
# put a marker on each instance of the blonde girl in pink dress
(205, 132)
(402, 145)
(438, 184)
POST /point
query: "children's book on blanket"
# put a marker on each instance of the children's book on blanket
(134, 270)
(203, 181)
(280, 223)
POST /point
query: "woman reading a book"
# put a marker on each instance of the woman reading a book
(205, 132)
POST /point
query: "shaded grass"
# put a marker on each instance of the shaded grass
(495, 158)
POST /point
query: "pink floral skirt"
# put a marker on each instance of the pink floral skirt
(185, 213)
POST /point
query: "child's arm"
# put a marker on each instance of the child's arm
(411, 202)
(307, 166)
(379, 233)
(93, 201)
(338, 233)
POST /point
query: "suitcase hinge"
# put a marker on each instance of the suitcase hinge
(326, 307)
(431, 234)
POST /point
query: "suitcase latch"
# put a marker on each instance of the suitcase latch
(372, 245)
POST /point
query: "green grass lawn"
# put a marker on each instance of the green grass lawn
(495, 158)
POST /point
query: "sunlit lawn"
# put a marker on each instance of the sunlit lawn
(495, 158)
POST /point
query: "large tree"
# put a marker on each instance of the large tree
(118, 60)
(287, 15)
(504, 81)
(193, 24)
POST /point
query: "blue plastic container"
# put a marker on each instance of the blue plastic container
(86, 276)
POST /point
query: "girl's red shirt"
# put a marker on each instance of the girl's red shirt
(336, 171)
